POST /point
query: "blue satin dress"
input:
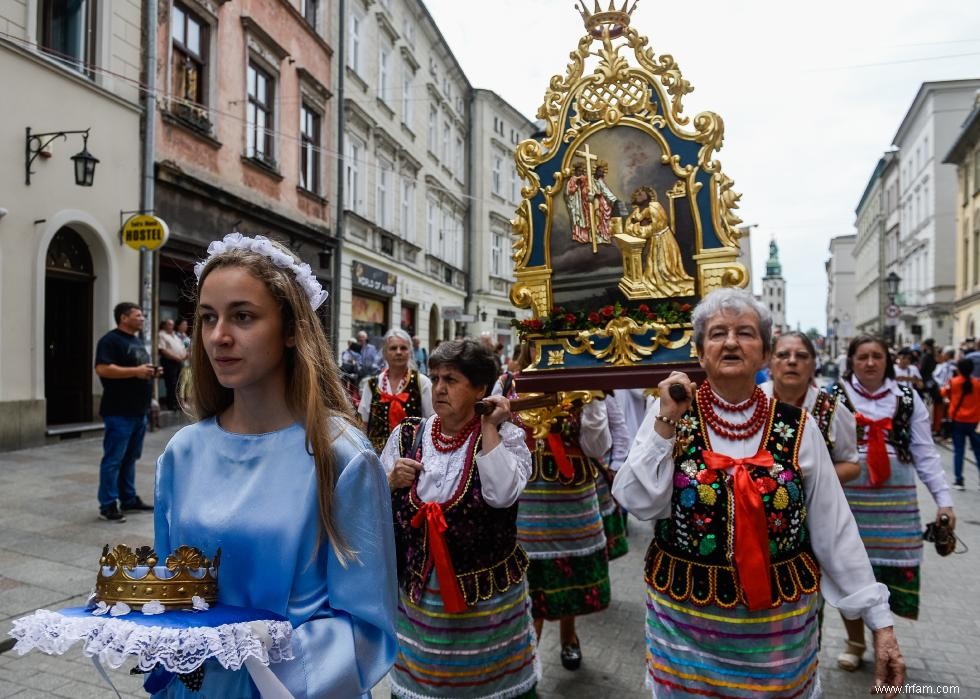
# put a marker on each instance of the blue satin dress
(255, 497)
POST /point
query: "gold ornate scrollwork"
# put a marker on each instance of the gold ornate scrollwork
(710, 129)
(723, 205)
(556, 357)
(540, 420)
(623, 349)
(723, 273)
(532, 290)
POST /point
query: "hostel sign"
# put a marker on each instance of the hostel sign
(145, 232)
(372, 279)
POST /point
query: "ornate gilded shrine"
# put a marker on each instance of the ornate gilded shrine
(626, 219)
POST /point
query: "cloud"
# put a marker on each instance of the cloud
(811, 95)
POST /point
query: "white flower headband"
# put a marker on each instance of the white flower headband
(262, 245)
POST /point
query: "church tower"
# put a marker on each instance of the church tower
(774, 290)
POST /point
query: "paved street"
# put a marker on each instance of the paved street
(51, 537)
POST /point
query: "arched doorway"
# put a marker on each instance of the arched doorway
(433, 327)
(68, 286)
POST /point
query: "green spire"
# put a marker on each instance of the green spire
(773, 268)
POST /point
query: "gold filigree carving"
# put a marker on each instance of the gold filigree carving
(532, 290)
(556, 357)
(623, 349)
(540, 420)
(615, 78)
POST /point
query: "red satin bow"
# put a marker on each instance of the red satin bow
(879, 467)
(396, 412)
(557, 448)
(751, 530)
(452, 595)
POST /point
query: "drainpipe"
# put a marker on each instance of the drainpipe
(341, 162)
(468, 241)
(149, 260)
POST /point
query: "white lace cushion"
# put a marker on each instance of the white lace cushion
(178, 650)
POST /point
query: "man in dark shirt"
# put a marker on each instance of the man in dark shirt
(123, 365)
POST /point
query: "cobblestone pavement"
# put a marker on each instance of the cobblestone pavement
(51, 537)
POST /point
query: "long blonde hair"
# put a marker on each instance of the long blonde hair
(314, 393)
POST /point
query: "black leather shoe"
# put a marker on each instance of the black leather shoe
(137, 505)
(571, 656)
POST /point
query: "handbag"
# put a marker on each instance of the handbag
(943, 536)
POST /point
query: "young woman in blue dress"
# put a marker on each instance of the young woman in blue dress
(275, 474)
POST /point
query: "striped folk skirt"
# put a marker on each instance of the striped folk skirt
(731, 653)
(891, 529)
(486, 652)
(560, 528)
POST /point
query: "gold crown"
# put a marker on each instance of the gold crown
(136, 579)
(599, 21)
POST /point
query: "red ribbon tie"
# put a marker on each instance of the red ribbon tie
(452, 594)
(751, 529)
(557, 448)
(879, 466)
(396, 411)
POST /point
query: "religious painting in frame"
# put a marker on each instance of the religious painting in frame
(626, 218)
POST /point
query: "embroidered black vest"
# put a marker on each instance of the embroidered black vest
(377, 427)
(900, 435)
(482, 540)
(823, 412)
(692, 553)
(543, 464)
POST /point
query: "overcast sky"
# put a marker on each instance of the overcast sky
(811, 95)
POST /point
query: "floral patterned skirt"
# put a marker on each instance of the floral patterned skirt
(569, 586)
(613, 518)
(903, 587)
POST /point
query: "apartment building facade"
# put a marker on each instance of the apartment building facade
(965, 156)
(497, 129)
(243, 137)
(62, 265)
(926, 198)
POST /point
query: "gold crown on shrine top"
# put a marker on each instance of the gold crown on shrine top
(135, 578)
(599, 21)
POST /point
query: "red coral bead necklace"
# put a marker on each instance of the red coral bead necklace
(707, 400)
(444, 443)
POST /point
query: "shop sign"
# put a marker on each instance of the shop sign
(145, 232)
(373, 279)
(452, 313)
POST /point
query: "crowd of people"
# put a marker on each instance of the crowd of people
(429, 534)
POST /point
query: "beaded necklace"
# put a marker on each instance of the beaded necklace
(385, 382)
(446, 444)
(731, 430)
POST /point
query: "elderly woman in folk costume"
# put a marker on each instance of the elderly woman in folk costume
(895, 442)
(793, 364)
(464, 620)
(560, 525)
(751, 516)
(399, 391)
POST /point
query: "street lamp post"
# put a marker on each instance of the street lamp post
(836, 323)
